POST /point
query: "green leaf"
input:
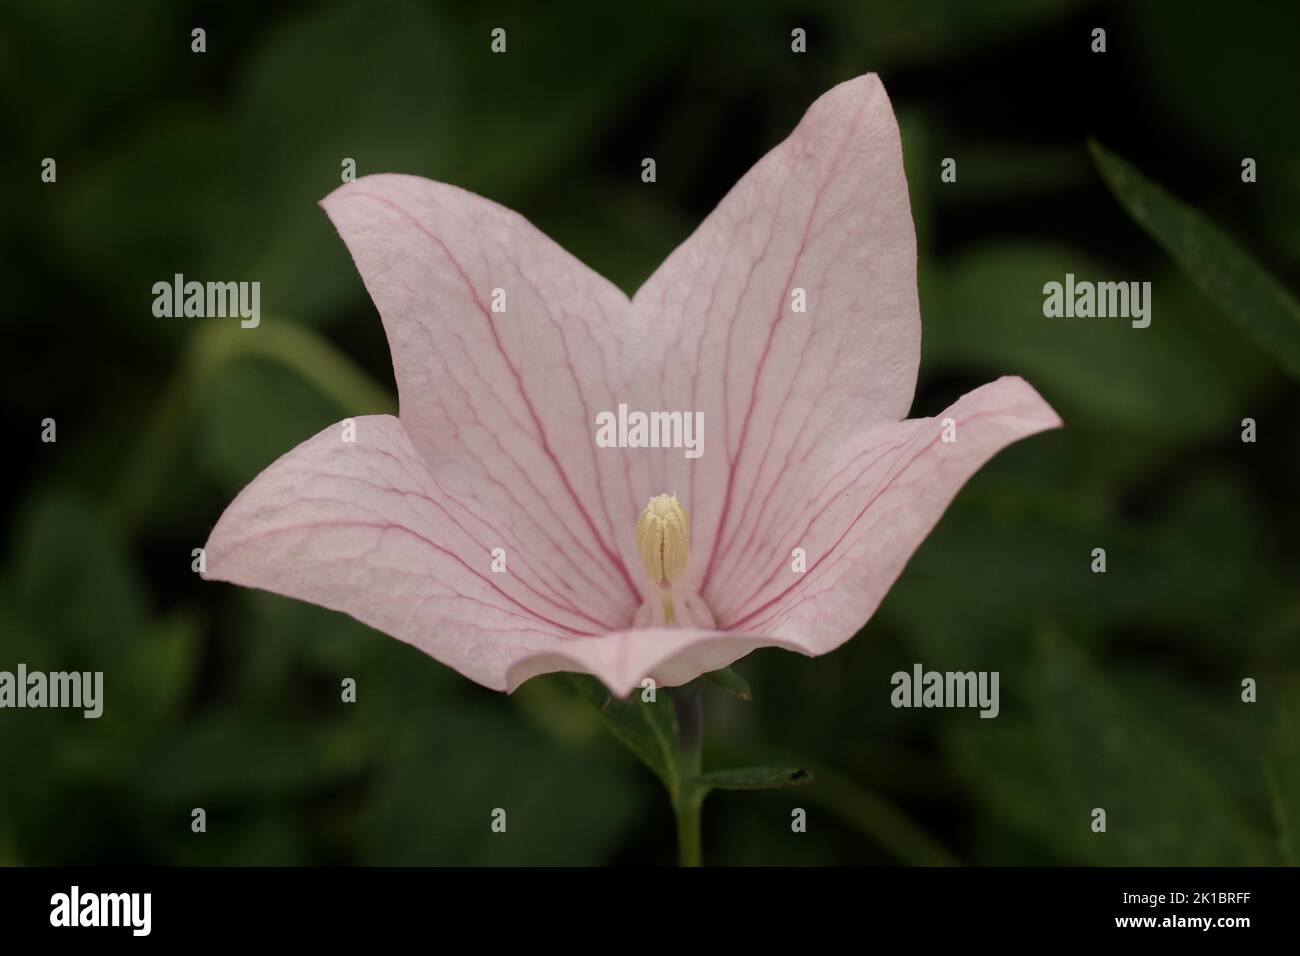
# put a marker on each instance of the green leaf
(649, 730)
(1215, 262)
(754, 778)
(731, 682)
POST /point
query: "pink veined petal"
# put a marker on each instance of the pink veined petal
(364, 527)
(865, 510)
(502, 404)
(825, 212)
(672, 656)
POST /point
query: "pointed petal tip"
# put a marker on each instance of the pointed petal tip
(332, 196)
(370, 179)
(1034, 406)
(865, 87)
(864, 83)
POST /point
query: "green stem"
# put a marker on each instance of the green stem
(688, 798)
(687, 808)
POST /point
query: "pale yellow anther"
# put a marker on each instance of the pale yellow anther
(663, 539)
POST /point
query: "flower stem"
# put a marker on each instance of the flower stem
(688, 830)
(688, 800)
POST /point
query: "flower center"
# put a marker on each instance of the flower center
(663, 539)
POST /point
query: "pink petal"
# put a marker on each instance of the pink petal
(671, 656)
(502, 405)
(365, 528)
(864, 509)
(826, 211)
(861, 512)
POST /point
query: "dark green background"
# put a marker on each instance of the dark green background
(1118, 690)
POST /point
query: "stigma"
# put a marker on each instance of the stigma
(663, 541)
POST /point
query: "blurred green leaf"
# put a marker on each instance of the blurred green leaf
(754, 778)
(731, 682)
(649, 730)
(1218, 265)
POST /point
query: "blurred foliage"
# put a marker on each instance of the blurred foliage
(1214, 261)
(1120, 690)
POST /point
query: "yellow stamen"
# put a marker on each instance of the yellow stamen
(663, 541)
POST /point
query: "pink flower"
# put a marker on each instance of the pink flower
(486, 526)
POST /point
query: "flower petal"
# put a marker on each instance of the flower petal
(863, 511)
(672, 656)
(364, 527)
(500, 404)
(826, 212)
